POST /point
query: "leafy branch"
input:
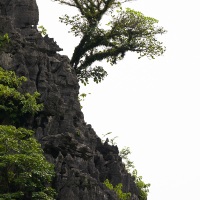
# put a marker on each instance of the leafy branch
(128, 30)
(42, 30)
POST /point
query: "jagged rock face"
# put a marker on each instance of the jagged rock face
(23, 12)
(82, 162)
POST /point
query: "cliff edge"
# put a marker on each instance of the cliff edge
(82, 162)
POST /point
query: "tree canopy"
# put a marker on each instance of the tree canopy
(15, 105)
(127, 30)
(25, 173)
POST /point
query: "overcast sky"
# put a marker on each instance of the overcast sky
(153, 106)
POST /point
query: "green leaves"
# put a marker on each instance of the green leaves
(10, 79)
(82, 97)
(118, 190)
(121, 195)
(24, 171)
(124, 154)
(30, 104)
(142, 187)
(132, 31)
(23, 167)
(128, 30)
(42, 30)
(4, 39)
(15, 104)
(96, 73)
(78, 23)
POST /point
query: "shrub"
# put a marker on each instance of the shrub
(118, 190)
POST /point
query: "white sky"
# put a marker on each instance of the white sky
(153, 106)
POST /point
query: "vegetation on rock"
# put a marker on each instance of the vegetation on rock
(143, 187)
(4, 39)
(118, 190)
(15, 105)
(42, 30)
(24, 171)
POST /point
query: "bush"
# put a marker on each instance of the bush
(25, 174)
(14, 105)
(118, 190)
(24, 171)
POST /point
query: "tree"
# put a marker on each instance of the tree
(127, 30)
(24, 172)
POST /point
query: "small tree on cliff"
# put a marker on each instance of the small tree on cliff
(127, 30)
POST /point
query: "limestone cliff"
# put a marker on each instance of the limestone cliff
(82, 162)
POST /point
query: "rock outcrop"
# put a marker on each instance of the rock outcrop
(82, 162)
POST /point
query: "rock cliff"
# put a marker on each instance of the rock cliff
(82, 162)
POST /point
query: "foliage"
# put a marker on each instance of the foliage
(24, 171)
(142, 187)
(111, 140)
(42, 30)
(4, 39)
(14, 104)
(82, 97)
(127, 30)
(118, 190)
(124, 153)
